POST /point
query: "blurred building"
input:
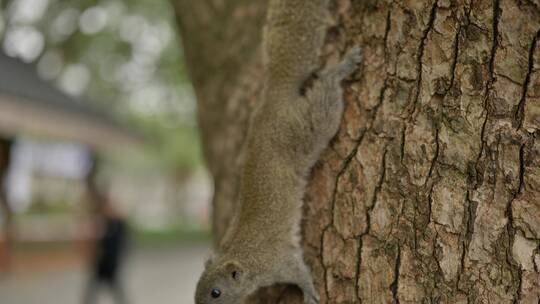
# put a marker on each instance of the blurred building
(45, 175)
(31, 106)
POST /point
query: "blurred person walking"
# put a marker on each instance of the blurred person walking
(109, 248)
(6, 213)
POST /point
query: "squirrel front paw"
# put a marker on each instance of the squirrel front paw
(348, 64)
(326, 98)
(312, 298)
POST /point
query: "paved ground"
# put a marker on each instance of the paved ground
(161, 276)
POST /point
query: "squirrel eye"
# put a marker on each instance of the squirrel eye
(215, 293)
(233, 274)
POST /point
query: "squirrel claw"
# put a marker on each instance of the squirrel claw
(348, 64)
(312, 298)
(354, 55)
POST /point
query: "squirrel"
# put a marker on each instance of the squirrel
(291, 127)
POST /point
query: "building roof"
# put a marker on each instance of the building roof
(32, 106)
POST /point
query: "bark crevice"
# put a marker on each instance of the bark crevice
(395, 284)
(520, 110)
(420, 52)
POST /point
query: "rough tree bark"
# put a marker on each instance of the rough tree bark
(430, 192)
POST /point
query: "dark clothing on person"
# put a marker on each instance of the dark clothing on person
(110, 250)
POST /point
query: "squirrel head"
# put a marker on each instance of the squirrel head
(222, 282)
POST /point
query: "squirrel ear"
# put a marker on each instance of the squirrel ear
(235, 270)
(209, 261)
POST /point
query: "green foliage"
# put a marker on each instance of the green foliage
(177, 146)
(44, 208)
(130, 51)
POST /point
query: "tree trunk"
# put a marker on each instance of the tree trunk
(429, 193)
(221, 44)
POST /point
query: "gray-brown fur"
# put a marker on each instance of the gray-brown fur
(287, 134)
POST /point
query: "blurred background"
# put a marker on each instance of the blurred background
(97, 114)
